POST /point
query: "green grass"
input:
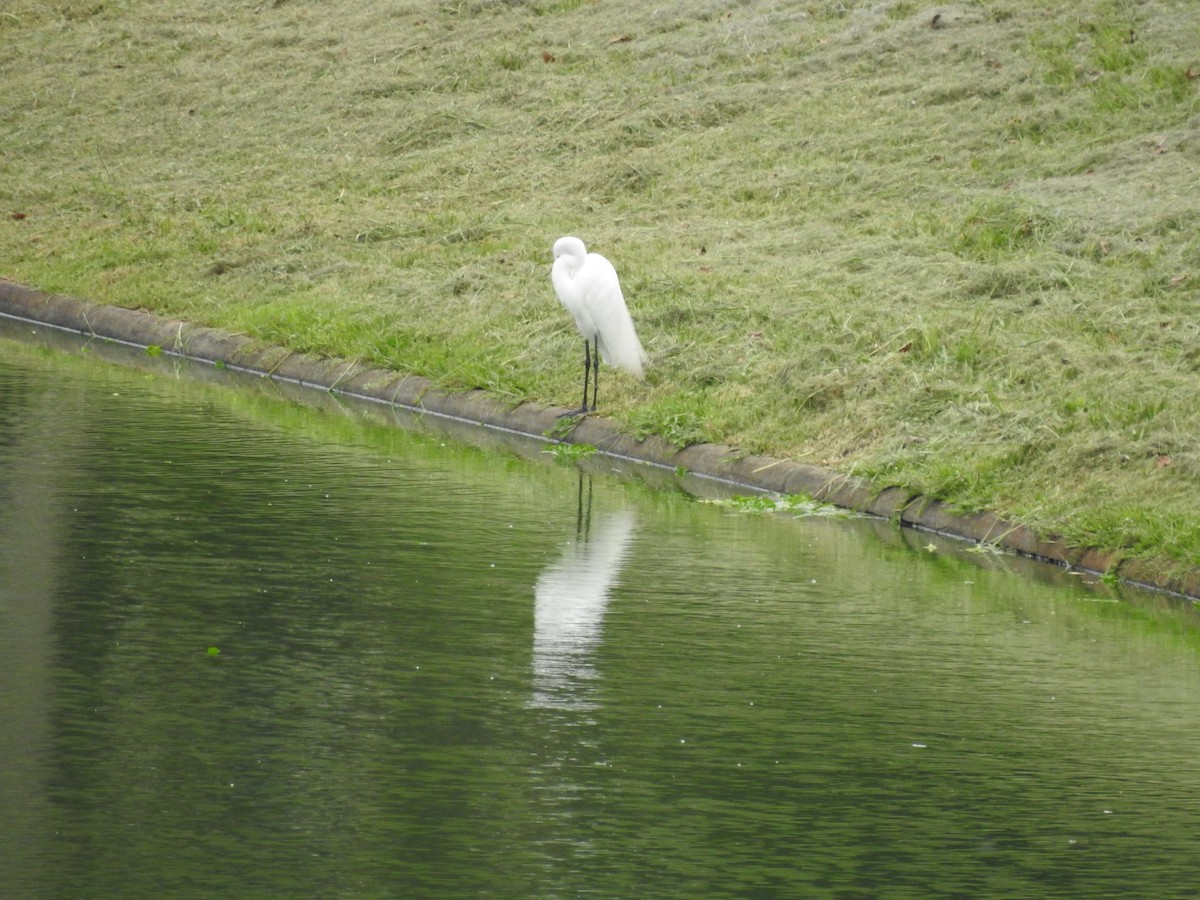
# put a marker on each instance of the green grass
(570, 454)
(963, 259)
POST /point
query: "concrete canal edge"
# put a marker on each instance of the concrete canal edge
(714, 461)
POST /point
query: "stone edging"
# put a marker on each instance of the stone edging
(709, 460)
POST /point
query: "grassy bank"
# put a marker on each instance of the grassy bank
(952, 247)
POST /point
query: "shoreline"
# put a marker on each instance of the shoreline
(711, 461)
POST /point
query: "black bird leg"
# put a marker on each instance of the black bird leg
(595, 373)
(587, 371)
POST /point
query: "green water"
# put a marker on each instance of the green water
(255, 648)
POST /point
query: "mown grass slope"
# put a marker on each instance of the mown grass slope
(953, 247)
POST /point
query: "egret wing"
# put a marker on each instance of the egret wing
(601, 294)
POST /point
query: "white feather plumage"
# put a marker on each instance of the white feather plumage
(587, 285)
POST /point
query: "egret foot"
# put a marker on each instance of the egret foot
(580, 413)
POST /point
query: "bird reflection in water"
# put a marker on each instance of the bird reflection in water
(570, 598)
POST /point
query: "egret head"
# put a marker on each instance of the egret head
(570, 246)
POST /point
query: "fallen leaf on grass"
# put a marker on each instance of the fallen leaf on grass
(549, 57)
(1162, 461)
(620, 38)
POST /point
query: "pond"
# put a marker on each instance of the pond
(256, 645)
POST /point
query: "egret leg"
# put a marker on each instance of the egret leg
(587, 367)
(595, 374)
(587, 370)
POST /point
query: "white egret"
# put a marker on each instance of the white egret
(587, 285)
